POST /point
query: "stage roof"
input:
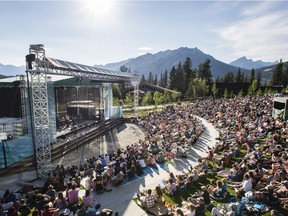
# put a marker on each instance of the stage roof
(70, 66)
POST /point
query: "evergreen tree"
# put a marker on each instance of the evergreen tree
(155, 82)
(173, 78)
(143, 79)
(204, 71)
(277, 76)
(258, 79)
(188, 72)
(165, 79)
(239, 78)
(150, 78)
(285, 75)
(252, 76)
(161, 80)
(229, 78)
(180, 79)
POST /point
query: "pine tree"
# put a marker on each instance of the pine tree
(150, 78)
(172, 84)
(204, 71)
(277, 76)
(239, 77)
(252, 76)
(143, 79)
(155, 82)
(187, 72)
(165, 79)
(180, 86)
(285, 75)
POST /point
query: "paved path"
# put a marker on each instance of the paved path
(120, 199)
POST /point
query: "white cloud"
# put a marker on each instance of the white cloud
(145, 49)
(262, 33)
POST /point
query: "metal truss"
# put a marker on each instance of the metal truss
(136, 100)
(41, 123)
(40, 111)
(23, 94)
(39, 66)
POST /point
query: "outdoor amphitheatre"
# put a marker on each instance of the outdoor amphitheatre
(210, 157)
(225, 156)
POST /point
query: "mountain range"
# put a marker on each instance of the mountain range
(159, 62)
(11, 70)
(243, 62)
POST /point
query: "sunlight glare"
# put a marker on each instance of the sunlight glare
(99, 8)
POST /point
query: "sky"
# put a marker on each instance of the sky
(107, 31)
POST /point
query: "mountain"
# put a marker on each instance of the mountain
(243, 62)
(11, 70)
(159, 62)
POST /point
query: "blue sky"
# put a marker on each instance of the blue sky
(86, 33)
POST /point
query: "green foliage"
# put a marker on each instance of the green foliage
(172, 84)
(239, 78)
(240, 94)
(147, 99)
(253, 88)
(277, 76)
(158, 98)
(116, 101)
(259, 92)
(150, 78)
(204, 71)
(232, 94)
(129, 101)
(188, 72)
(285, 75)
(229, 78)
(166, 97)
(116, 90)
(196, 88)
(252, 76)
(226, 93)
(175, 95)
(214, 90)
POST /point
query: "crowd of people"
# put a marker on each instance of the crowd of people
(260, 177)
(244, 123)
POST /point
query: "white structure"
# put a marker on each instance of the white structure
(39, 67)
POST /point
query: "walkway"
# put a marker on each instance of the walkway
(120, 199)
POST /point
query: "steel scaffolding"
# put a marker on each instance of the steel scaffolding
(38, 66)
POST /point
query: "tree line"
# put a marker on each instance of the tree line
(197, 82)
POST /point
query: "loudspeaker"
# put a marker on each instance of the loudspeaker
(29, 59)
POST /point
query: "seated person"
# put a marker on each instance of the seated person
(216, 191)
(118, 179)
(151, 161)
(198, 204)
(98, 187)
(170, 187)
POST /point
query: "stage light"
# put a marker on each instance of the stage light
(29, 59)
